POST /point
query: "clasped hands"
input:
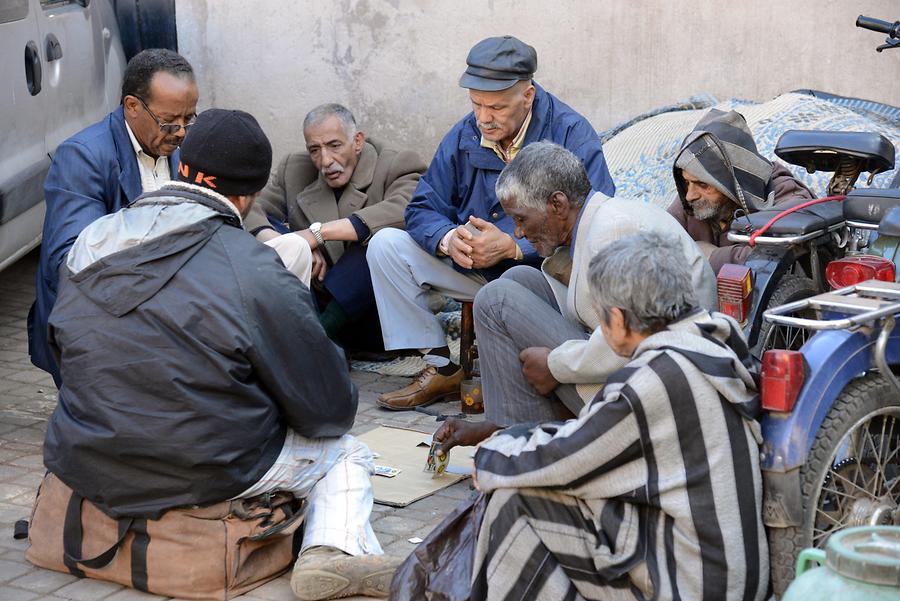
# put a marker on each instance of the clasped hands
(484, 249)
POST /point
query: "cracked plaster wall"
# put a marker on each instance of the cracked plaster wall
(395, 63)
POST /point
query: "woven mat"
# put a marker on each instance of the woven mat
(403, 366)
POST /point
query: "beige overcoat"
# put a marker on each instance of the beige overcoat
(381, 186)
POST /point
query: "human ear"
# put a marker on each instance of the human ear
(131, 105)
(529, 95)
(558, 204)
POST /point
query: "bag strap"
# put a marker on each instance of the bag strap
(73, 535)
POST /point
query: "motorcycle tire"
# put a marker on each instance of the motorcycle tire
(869, 400)
(791, 288)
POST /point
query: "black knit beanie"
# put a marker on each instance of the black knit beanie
(226, 151)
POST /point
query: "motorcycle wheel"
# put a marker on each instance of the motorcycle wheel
(851, 476)
(791, 288)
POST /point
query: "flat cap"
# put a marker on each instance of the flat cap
(498, 63)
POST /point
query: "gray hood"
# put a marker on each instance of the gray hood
(721, 152)
(714, 344)
(163, 230)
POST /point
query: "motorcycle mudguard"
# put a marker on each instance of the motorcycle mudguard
(768, 264)
(833, 358)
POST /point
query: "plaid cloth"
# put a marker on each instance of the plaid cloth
(332, 474)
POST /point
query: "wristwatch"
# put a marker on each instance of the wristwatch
(316, 229)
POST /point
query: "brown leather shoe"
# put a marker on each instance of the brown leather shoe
(428, 387)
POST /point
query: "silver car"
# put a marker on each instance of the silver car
(61, 65)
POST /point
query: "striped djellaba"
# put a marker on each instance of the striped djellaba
(652, 492)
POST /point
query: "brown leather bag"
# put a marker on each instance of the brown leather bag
(214, 552)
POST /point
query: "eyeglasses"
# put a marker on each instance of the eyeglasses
(167, 128)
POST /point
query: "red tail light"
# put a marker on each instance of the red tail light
(781, 378)
(734, 287)
(855, 269)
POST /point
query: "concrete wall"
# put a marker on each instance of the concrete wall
(395, 63)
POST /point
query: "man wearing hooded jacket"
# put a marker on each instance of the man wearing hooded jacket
(195, 369)
(719, 171)
(654, 489)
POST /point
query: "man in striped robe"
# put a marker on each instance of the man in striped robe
(654, 490)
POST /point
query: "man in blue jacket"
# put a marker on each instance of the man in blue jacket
(104, 167)
(457, 236)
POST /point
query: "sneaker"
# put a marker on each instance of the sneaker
(329, 573)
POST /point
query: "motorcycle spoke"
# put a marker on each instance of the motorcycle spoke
(851, 483)
(820, 537)
(879, 478)
(835, 521)
(840, 493)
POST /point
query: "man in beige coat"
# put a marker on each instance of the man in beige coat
(335, 196)
(541, 349)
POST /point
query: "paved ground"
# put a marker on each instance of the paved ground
(28, 397)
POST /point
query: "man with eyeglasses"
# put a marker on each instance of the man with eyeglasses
(104, 167)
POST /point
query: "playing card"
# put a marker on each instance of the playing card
(434, 463)
(386, 471)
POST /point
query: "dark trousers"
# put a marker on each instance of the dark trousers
(348, 283)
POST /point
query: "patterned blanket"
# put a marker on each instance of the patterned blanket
(640, 154)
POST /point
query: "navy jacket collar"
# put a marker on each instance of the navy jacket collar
(129, 172)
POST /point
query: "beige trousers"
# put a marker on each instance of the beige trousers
(295, 254)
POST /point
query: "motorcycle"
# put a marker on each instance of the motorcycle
(831, 452)
(793, 243)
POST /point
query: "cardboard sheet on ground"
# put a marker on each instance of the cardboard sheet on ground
(407, 450)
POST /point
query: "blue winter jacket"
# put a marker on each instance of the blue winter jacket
(461, 178)
(94, 173)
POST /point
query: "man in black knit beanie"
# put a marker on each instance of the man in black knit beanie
(186, 341)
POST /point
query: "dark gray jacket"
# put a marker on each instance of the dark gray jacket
(186, 350)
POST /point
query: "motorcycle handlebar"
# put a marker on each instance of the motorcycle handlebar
(890, 29)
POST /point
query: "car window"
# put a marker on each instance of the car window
(13, 10)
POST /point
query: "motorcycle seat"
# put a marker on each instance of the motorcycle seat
(823, 150)
(870, 204)
(805, 221)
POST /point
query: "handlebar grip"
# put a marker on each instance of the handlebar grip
(875, 24)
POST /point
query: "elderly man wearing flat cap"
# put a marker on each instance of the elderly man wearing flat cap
(457, 236)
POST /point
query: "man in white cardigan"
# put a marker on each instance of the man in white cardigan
(541, 350)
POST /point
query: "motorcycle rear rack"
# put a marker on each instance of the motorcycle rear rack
(859, 305)
(866, 303)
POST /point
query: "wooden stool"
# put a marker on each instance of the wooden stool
(470, 387)
(467, 350)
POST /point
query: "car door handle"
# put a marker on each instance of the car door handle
(33, 68)
(54, 49)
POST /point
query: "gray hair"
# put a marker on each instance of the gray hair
(324, 111)
(539, 170)
(645, 275)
